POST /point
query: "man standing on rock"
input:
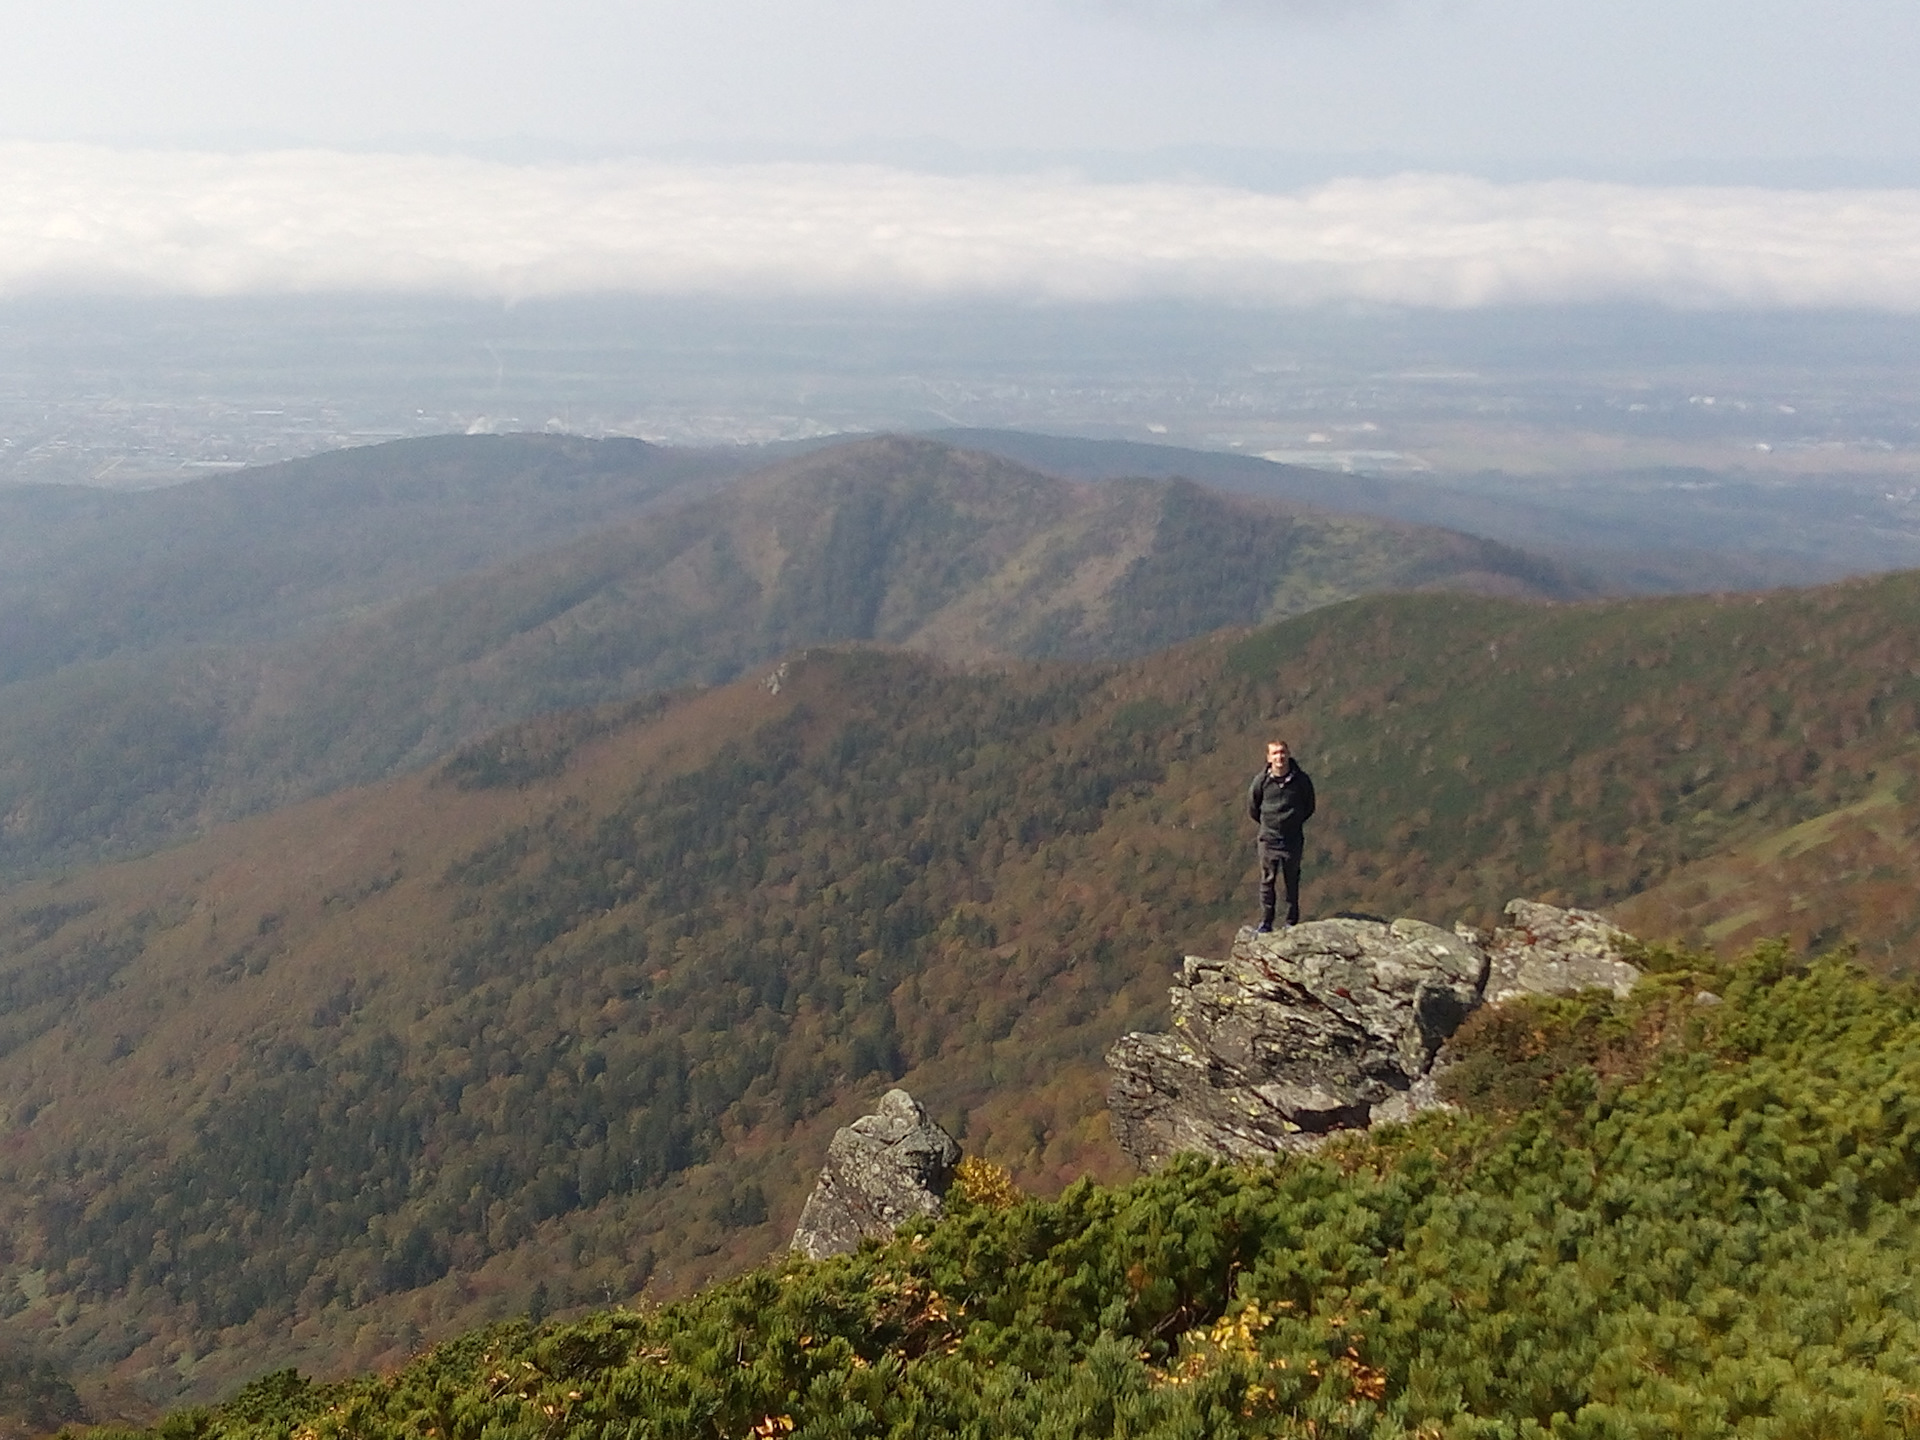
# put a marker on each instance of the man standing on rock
(1280, 802)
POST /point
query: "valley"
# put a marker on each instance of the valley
(578, 1007)
(529, 963)
(175, 659)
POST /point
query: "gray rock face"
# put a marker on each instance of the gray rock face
(882, 1170)
(1333, 1025)
(1545, 951)
(1296, 1034)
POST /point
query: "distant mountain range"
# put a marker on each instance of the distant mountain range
(1629, 531)
(180, 656)
(260, 554)
(579, 1006)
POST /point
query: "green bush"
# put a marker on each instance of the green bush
(1705, 1224)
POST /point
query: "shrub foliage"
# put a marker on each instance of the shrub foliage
(1704, 1223)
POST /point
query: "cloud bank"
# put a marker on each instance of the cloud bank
(1178, 11)
(88, 220)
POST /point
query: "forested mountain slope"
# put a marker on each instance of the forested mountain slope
(86, 573)
(581, 1007)
(1641, 531)
(1658, 1218)
(906, 541)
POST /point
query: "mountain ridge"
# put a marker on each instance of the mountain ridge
(1672, 531)
(580, 1006)
(890, 539)
(274, 549)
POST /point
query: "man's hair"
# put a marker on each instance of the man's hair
(1272, 743)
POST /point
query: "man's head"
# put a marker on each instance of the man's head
(1279, 757)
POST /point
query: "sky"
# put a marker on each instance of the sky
(1619, 82)
(1449, 153)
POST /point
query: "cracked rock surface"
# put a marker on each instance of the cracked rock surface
(1545, 951)
(882, 1170)
(1332, 1025)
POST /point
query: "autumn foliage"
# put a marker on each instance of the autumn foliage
(569, 1020)
(1720, 1248)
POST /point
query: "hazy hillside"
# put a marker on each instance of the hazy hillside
(1635, 531)
(904, 541)
(581, 1007)
(86, 572)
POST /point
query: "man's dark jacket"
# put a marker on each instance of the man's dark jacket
(1282, 804)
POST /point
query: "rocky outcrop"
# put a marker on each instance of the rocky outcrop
(1546, 951)
(882, 1170)
(1332, 1025)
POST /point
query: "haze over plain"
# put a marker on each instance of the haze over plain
(1436, 239)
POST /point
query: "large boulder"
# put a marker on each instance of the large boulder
(1334, 1025)
(882, 1170)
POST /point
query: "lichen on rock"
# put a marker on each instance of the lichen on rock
(1333, 1025)
(882, 1170)
(1548, 951)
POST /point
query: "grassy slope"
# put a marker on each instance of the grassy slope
(353, 1073)
(893, 540)
(1691, 1221)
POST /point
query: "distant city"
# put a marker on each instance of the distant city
(136, 393)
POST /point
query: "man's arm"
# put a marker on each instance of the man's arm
(1253, 796)
(1306, 787)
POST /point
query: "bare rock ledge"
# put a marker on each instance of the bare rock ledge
(1335, 1024)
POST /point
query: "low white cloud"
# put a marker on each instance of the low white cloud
(79, 219)
(1179, 11)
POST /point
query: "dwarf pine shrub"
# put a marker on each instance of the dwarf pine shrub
(1686, 1219)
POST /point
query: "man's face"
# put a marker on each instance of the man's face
(1278, 759)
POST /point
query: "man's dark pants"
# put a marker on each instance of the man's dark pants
(1279, 864)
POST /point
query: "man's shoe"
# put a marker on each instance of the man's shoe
(1263, 929)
